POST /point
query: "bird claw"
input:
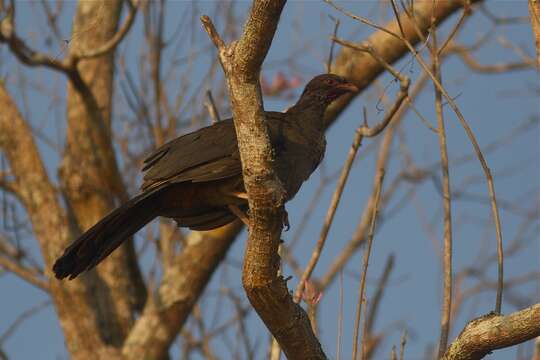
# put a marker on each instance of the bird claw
(285, 220)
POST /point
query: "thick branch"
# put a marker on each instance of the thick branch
(51, 228)
(534, 10)
(111, 44)
(266, 291)
(492, 332)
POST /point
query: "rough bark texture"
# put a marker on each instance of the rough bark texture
(491, 332)
(534, 10)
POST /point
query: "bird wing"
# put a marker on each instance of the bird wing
(210, 153)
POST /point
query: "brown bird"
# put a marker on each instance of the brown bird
(196, 179)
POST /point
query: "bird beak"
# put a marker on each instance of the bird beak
(347, 87)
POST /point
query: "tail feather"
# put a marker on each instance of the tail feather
(109, 233)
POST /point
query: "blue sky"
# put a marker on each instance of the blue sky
(493, 105)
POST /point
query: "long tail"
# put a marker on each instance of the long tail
(109, 233)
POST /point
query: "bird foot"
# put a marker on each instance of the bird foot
(285, 220)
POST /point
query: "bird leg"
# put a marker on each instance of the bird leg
(245, 218)
(239, 213)
(240, 194)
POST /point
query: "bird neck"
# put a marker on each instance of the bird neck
(311, 112)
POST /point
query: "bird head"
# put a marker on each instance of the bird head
(326, 88)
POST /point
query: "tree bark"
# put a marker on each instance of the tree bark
(491, 332)
(534, 10)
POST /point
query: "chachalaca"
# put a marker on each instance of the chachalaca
(196, 179)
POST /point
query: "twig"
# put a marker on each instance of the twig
(447, 206)
(502, 20)
(362, 19)
(402, 344)
(213, 34)
(421, 117)
(366, 262)
(212, 109)
(365, 335)
(26, 54)
(21, 318)
(332, 45)
(23, 272)
(492, 68)
(466, 12)
(381, 286)
(340, 318)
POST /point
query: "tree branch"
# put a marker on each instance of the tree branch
(491, 332)
(23, 272)
(267, 292)
(110, 44)
(534, 10)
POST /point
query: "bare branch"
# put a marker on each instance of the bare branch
(26, 54)
(534, 10)
(111, 44)
(485, 168)
(21, 318)
(267, 292)
(491, 332)
(331, 52)
(364, 20)
(492, 68)
(23, 272)
(447, 204)
(366, 260)
(212, 108)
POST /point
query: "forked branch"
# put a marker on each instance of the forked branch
(267, 292)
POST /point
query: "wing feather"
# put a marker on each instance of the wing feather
(210, 153)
